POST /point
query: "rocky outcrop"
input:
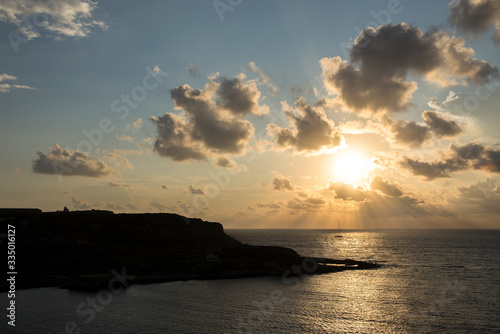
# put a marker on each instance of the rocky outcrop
(81, 249)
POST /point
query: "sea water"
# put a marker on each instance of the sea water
(431, 281)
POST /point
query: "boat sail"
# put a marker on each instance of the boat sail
(338, 230)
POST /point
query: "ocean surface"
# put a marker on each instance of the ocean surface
(432, 281)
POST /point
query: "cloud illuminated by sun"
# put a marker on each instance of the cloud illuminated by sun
(352, 167)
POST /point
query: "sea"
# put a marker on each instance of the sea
(431, 281)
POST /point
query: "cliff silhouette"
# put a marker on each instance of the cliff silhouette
(81, 249)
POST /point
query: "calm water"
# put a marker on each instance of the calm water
(432, 282)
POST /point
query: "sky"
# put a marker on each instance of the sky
(255, 114)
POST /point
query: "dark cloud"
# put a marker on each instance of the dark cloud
(281, 184)
(430, 170)
(384, 56)
(408, 133)
(174, 139)
(378, 183)
(195, 191)
(225, 162)
(239, 97)
(311, 129)
(211, 121)
(474, 17)
(61, 161)
(440, 125)
(472, 156)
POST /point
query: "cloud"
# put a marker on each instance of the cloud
(441, 125)
(408, 133)
(264, 77)
(378, 183)
(477, 198)
(195, 191)
(193, 71)
(158, 206)
(7, 87)
(124, 138)
(347, 192)
(239, 97)
(119, 160)
(472, 156)
(391, 203)
(474, 17)
(117, 185)
(61, 161)
(136, 125)
(71, 18)
(311, 130)
(413, 134)
(211, 122)
(269, 204)
(225, 162)
(384, 57)
(281, 184)
(308, 204)
(83, 205)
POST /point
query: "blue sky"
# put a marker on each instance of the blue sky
(82, 56)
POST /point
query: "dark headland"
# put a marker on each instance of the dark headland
(90, 249)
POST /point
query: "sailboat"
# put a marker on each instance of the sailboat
(338, 230)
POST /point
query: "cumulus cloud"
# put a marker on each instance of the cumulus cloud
(225, 162)
(311, 130)
(119, 160)
(61, 161)
(281, 184)
(474, 17)
(72, 18)
(413, 134)
(211, 121)
(441, 126)
(196, 191)
(7, 87)
(378, 183)
(408, 133)
(472, 156)
(386, 55)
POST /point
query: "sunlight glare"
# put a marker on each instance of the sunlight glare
(351, 167)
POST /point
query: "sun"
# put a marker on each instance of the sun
(351, 167)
